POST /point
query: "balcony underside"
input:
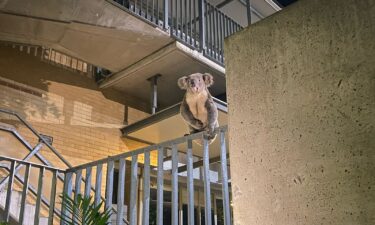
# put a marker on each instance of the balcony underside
(168, 125)
(94, 31)
(171, 62)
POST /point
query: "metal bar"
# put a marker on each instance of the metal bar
(221, 36)
(224, 174)
(109, 185)
(186, 24)
(191, 25)
(195, 23)
(140, 7)
(190, 182)
(77, 192)
(24, 193)
(67, 191)
(98, 184)
(248, 11)
(202, 25)
(52, 201)
(88, 181)
(206, 180)
(180, 208)
(146, 190)
(181, 21)
(211, 22)
(215, 208)
(39, 196)
(166, 9)
(160, 187)
(133, 191)
(216, 32)
(174, 185)
(9, 191)
(176, 20)
(120, 192)
(147, 149)
(18, 167)
(154, 93)
(208, 27)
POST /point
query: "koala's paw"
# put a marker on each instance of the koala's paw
(199, 124)
(209, 135)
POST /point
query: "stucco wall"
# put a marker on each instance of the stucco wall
(301, 93)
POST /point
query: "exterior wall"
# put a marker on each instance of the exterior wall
(301, 91)
(83, 120)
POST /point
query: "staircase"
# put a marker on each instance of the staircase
(31, 205)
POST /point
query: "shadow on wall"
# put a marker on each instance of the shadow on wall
(31, 70)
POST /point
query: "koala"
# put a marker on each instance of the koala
(198, 108)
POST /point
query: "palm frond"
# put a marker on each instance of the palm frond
(82, 211)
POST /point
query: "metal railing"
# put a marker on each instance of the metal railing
(157, 171)
(26, 188)
(196, 23)
(34, 151)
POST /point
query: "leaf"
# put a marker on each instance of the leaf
(82, 211)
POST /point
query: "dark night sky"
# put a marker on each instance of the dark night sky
(284, 2)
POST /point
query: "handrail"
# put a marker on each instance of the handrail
(146, 149)
(27, 145)
(148, 171)
(38, 135)
(196, 23)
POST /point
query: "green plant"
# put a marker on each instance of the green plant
(83, 211)
(3, 223)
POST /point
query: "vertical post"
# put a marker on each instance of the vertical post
(180, 208)
(224, 174)
(154, 92)
(166, 10)
(39, 196)
(190, 183)
(98, 184)
(68, 192)
(160, 186)
(52, 198)
(109, 186)
(146, 190)
(24, 193)
(174, 185)
(120, 192)
(215, 208)
(133, 191)
(9, 191)
(202, 24)
(248, 10)
(88, 182)
(206, 180)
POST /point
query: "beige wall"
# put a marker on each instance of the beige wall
(301, 93)
(83, 120)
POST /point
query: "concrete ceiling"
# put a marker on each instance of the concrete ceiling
(171, 63)
(94, 31)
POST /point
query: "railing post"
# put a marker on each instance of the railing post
(202, 24)
(248, 10)
(166, 10)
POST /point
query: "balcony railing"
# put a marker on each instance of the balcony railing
(196, 23)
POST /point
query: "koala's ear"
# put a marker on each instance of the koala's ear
(182, 82)
(208, 79)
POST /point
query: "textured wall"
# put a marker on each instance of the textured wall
(301, 93)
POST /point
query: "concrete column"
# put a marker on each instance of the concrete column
(301, 94)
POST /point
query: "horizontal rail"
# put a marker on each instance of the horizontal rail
(145, 149)
(37, 165)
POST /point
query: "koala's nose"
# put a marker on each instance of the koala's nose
(192, 83)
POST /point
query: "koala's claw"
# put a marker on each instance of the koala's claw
(209, 136)
(199, 124)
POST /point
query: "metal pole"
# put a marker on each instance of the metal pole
(202, 28)
(154, 92)
(248, 9)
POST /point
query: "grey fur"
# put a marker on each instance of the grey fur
(195, 86)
